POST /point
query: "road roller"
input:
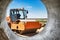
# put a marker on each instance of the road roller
(18, 21)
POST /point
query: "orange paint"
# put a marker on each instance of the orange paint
(32, 25)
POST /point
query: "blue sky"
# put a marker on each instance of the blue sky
(35, 8)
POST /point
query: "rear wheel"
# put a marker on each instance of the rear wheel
(20, 32)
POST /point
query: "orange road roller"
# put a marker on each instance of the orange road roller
(22, 24)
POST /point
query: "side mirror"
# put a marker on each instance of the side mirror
(27, 12)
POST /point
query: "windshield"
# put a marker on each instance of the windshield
(21, 14)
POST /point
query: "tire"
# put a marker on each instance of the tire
(20, 32)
